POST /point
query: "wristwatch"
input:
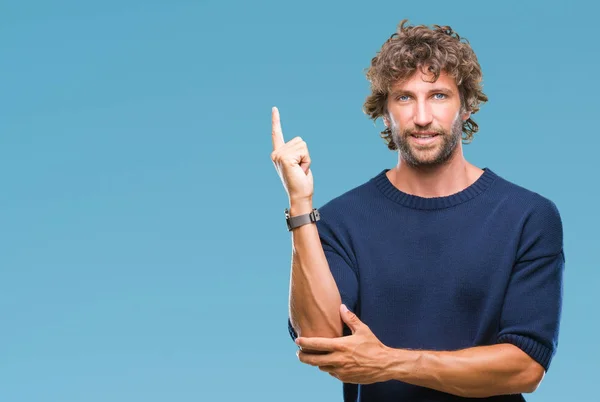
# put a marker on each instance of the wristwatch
(296, 221)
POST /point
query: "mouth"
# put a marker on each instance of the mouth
(424, 138)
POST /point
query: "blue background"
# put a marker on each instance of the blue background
(143, 251)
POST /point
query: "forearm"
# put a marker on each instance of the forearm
(314, 297)
(480, 371)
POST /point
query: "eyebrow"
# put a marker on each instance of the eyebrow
(431, 91)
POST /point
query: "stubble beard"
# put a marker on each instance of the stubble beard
(431, 157)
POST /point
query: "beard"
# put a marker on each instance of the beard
(434, 155)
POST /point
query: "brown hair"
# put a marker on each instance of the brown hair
(413, 47)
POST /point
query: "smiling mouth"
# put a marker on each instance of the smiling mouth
(424, 135)
(424, 140)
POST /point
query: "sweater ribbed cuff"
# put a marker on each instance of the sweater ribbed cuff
(537, 351)
(292, 331)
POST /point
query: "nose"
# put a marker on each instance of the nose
(422, 115)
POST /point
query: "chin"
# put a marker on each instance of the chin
(429, 160)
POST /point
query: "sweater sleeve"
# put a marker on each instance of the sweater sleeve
(532, 306)
(341, 264)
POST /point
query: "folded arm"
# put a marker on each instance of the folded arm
(480, 371)
(476, 372)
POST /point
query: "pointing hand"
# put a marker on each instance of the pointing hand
(292, 163)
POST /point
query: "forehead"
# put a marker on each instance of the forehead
(420, 82)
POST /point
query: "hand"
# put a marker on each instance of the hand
(292, 163)
(359, 358)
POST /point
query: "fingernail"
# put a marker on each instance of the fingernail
(344, 308)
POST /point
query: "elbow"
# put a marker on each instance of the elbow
(322, 332)
(325, 330)
(534, 377)
(311, 328)
(528, 382)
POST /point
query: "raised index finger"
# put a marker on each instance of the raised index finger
(276, 133)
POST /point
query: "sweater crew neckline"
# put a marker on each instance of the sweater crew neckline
(416, 202)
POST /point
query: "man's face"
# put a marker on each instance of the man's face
(425, 119)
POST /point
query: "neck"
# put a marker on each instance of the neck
(434, 181)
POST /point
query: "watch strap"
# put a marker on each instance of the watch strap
(296, 221)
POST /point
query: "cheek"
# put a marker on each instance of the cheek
(447, 115)
(401, 117)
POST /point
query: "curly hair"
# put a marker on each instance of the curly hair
(412, 47)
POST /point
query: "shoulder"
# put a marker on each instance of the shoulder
(524, 199)
(338, 226)
(351, 202)
(343, 214)
(539, 219)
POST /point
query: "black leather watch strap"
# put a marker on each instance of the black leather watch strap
(296, 221)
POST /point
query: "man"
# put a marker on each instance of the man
(435, 280)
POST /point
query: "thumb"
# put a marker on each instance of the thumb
(350, 318)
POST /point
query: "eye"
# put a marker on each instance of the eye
(441, 96)
(402, 98)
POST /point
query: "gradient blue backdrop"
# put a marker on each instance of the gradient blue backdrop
(143, 250)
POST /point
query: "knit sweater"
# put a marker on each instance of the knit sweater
(480, 267)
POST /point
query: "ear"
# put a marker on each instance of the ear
(466, 115)
(386, 121)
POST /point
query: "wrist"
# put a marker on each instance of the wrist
(301, 207)
(400, 364)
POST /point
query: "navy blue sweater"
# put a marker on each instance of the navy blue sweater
(479, 267)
